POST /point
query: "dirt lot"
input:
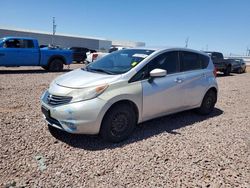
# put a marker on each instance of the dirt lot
(181, 150)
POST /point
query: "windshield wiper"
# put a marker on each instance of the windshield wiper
(99, 70)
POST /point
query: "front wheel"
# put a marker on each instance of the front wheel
(118, 123)
(56, 65)
(208, 103)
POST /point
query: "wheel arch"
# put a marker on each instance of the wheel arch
(123, 101)
(214, 89)
(52, 58)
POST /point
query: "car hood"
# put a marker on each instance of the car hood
(80, 79)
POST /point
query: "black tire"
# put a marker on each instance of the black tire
(118, 123)
(45, 67)
(56, 65)
(208, 103)
(227, 71)
(239, 71)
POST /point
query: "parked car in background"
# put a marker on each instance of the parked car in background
(238, 64)
(113, 49)
(111, 95)
(79, 53)
(221, 64)
(22, 51)
(91, 57)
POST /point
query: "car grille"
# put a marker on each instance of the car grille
(58, 100)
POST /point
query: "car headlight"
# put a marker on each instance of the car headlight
(87, 93)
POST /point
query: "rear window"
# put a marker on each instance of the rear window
(79, 49)
(113, 50)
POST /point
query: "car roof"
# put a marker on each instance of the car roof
(172, 49)
(25, 38)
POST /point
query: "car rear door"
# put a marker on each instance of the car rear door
(29, 54)
(192, 66)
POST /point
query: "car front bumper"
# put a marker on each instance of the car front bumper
(83, 117)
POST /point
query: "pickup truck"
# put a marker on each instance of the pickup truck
(20, 51)
(223, 65)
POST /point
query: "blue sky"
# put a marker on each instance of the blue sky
(222, 25)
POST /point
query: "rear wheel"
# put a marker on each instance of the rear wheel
(244, 71)
(118, 123)
(208, 103)
(56, 65)
(227, 71)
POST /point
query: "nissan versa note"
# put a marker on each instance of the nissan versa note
(113, 94)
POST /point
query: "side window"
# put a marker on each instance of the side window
(141, 75)
(168, 61)
(27, 44)
(190, 61)
(12, 43)
(204, 60)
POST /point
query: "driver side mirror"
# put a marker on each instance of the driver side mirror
(158, 73)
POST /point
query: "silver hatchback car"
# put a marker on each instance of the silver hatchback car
(127, 87)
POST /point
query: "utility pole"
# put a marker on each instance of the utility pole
(248, 51)
(186, 42)
(54, 31)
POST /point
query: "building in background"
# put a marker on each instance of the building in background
(67, 41)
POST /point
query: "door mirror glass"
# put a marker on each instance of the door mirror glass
(158, 73)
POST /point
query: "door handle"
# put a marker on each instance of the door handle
(1, 54)
(178, 80)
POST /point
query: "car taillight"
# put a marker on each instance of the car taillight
(94, 56)
(215, 71)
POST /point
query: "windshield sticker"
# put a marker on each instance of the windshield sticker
(140, 55)
(134, 64)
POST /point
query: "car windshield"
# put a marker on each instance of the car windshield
(1, 40)
(119, 62)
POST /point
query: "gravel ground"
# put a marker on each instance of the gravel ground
(181, 150)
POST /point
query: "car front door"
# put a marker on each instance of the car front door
(9, 53)
(163, 95)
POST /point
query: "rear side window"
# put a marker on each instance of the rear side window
(204, 60)
(27, 44)
(190, 61)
